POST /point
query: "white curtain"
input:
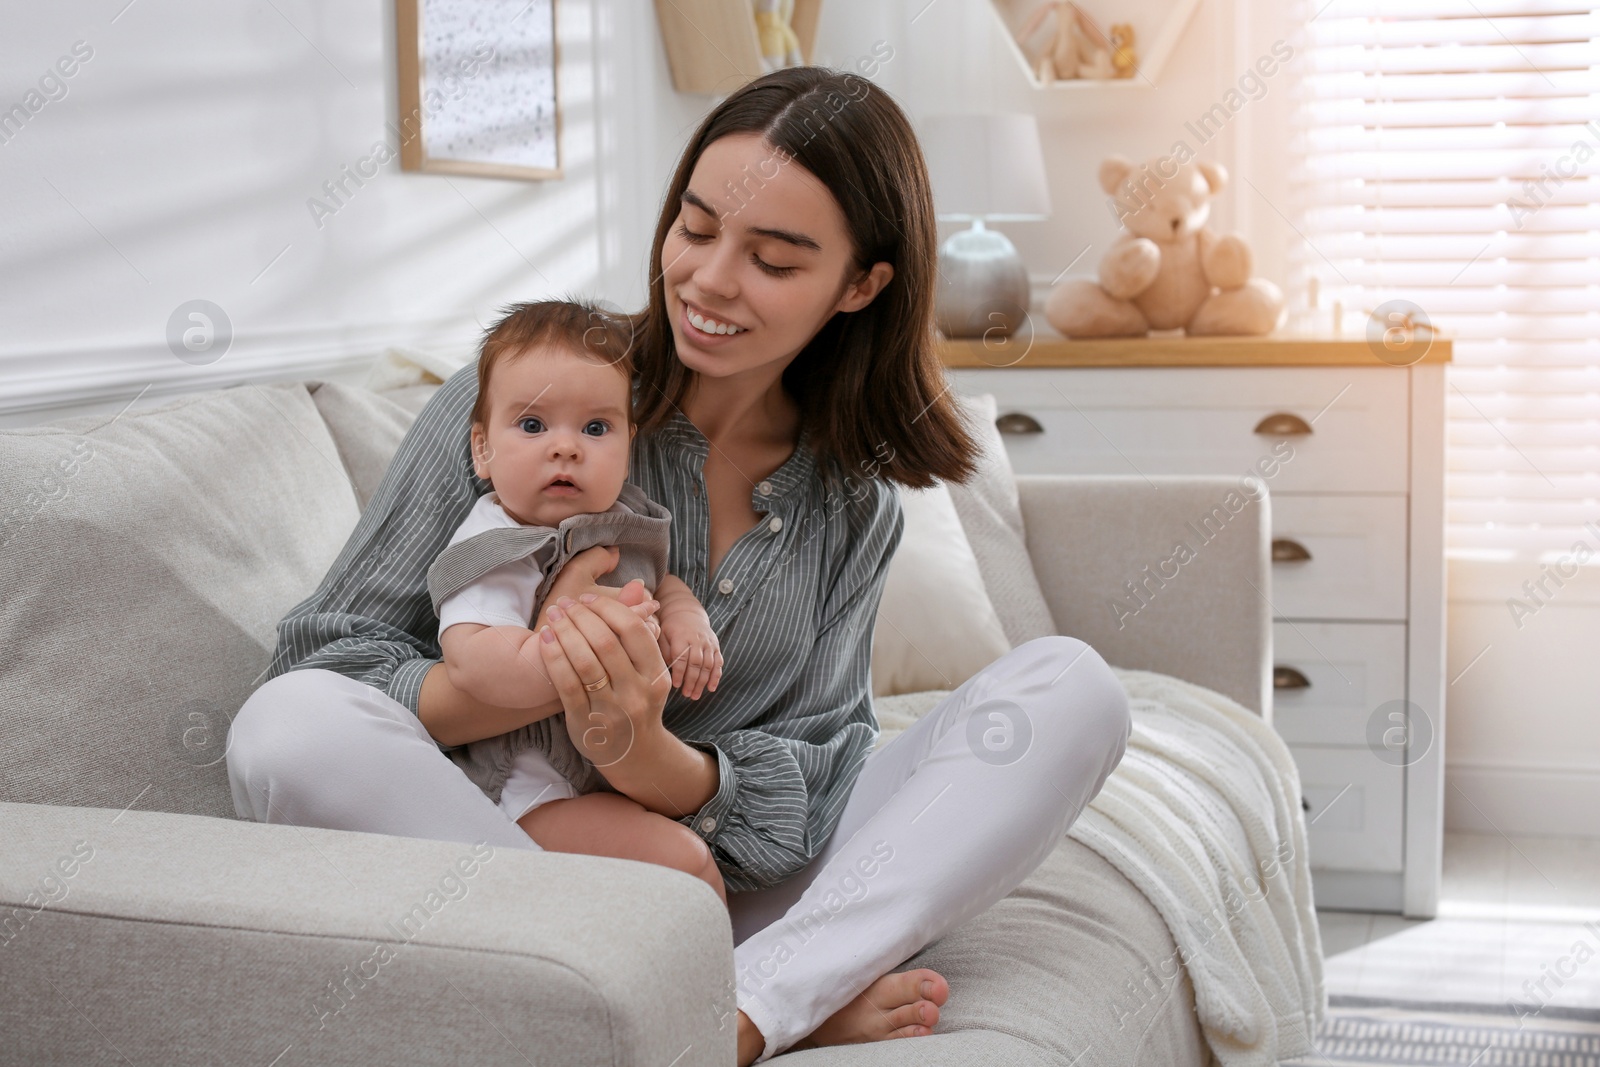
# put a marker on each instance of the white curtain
(1447, 152)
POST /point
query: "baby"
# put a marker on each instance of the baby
(554, 399)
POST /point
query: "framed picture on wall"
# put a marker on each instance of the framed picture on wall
(478, 88)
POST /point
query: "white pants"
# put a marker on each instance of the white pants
(942, 822)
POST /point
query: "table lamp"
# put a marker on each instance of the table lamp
(984, 167)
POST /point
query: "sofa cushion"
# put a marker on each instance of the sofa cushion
(1075, 966)
(146, 559)
(935, 625)
(181, 941)
(367, 427)
(992, 517)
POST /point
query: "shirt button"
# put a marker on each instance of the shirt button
(708, 824)
(765, 488)
(725, 586)
(776, 524)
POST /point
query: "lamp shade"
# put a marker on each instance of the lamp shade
(986, 166)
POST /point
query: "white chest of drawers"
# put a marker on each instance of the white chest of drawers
(1355, 448)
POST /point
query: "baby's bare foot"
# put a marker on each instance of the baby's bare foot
(897, 1005)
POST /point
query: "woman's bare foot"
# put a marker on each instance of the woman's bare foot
(897, 1005)
(893, 1006)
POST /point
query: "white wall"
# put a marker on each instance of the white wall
(179, 165)
(1522, 750)
(180, 162)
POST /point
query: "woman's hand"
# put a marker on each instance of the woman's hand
(581, 574)
(595, 638)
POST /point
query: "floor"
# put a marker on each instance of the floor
(1519, 921)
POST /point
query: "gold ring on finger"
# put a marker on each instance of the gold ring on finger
(595, 687)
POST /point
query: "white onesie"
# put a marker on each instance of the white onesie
(506, 594)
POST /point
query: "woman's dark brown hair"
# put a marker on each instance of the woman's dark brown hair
(870, 385)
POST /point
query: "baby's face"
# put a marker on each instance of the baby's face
(558, 437)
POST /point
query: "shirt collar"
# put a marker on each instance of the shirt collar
(794, 474)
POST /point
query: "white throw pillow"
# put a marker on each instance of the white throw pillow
(936, 625)
(992, 518)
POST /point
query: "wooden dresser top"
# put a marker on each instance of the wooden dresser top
(1175, 350)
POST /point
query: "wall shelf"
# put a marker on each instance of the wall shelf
(1011, 15)
(711, 44)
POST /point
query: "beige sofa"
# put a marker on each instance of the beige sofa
(145, 562)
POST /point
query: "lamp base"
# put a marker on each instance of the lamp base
(983, 285)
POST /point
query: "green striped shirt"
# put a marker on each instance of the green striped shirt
(793, 604)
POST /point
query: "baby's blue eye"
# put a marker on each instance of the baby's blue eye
(538, 427)
(604, 426)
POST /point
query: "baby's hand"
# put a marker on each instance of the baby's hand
(691, 649)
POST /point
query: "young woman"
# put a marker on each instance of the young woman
(786, 383)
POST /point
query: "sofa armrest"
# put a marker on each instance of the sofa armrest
(186, 939)
(1168, 574)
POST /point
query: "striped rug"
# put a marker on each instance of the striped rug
(1358, 1032)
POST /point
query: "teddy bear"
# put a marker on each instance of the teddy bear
(1167, 271)
(775, 36)
(1123, 58)
(1074, 51)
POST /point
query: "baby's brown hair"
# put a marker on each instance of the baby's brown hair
(576, 324)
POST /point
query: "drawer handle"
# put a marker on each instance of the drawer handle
(1283, 424)
(1289, 678)
(1017, 422)
(1287, 551)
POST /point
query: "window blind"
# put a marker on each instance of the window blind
(1447, 152)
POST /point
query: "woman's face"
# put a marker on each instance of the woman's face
(758, 259)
